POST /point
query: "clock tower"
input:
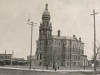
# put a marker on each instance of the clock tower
(45, 29)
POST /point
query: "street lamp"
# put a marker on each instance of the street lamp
(32, 24)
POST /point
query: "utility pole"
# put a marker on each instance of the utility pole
(70, 53)
(32, 24)
(94, 42)
(12, 57)
(5, 57)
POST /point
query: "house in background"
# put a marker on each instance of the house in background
(5, 59)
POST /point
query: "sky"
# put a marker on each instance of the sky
(72, 17)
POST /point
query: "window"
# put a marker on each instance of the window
(73, 49)
(66, 42)
(37, 57)
(40, 56)
(59, 43)
(47, 33)
(42, 33)
(74, 57)
(82, 46)
(7, 56)
(78, 57)
(48, 56)
(49, 42)
(68, 57)
(47, 23)
(74, 63)
(40, 42)
(55, 42)
(82, 52)
(68, 49)
(40, 49)
(67, 63)
(73, 43)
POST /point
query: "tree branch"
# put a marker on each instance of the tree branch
(98, 50)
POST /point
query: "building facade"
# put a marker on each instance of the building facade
(5, 58)
(57, 49)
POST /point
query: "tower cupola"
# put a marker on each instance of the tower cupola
(45, 30)
(46, 13)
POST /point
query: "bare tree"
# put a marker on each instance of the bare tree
(56, 56)
(97, 51)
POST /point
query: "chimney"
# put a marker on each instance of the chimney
(73, 35)
(79, 38)
(58, 33)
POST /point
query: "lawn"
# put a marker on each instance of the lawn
(44, 67)
(50, 68)
(23, 72)
(27, 72)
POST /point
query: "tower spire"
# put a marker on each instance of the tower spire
(46, 6)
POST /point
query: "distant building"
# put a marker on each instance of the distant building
(84, 60)
(33, 60)
(19, 61)
(57, 49)
(6, 58)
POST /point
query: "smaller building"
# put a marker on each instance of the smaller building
(19, 61)
(5, 59)
(33, 60)
(84, 60)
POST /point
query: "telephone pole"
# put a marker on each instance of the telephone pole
(70, 55)
(94, 42)
(5, 57)
(12, 57)
(32, 24)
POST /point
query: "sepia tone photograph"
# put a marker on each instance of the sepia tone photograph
(49, 37)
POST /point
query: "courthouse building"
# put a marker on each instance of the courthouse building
(57, 49)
